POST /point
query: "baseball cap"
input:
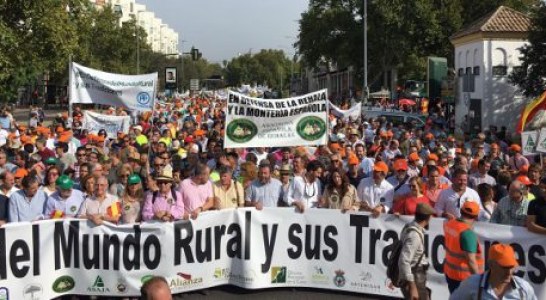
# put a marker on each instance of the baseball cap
(414, 156)
(503, 255)
(20, 173)
(524, 179)
(133, 179)
(400, 164)
(51, 161)
(515, 147)
(425, 209)
(353, 160)
(64, 182)
(471, 208)
(381, 167)
(138, 127)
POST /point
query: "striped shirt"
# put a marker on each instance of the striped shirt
(509, 212)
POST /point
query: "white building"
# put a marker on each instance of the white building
(160, 36)
(486, 52)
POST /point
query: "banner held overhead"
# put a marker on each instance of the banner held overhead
(256, 122)
(94, 122)
(90, 86)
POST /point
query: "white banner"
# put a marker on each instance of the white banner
(135, 92)
(352, 113)
(94, 122)
(256, 122)
(541, 142)
(529, 142)
(278, 247)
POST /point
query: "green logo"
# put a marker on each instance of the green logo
(311, 128)
(278, 275)
(63, 284)
(241, 130)
(73, 208)
(98, 282)
(146, 278)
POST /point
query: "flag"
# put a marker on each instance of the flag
(530, 111)
(114, 209)
(57, 214)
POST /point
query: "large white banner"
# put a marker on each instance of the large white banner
(252, 249)
(90, 86)
(352, 113)
(94, 122)
(256, 122)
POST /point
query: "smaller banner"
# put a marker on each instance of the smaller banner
(352, 113)
(529, 142)
(90, 86)
(257, 122)
(170, 78)
(541, 142)
(93, 122)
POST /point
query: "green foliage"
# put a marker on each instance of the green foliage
(531, 77)
(401, 34)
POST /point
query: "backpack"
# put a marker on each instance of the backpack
(393, 270)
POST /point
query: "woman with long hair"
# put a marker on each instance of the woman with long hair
(51, 175)
(408, 204)
(88, 185)
(339, 192)
(131, 200)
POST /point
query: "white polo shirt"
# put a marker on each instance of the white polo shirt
(374, 194)
(450, 202)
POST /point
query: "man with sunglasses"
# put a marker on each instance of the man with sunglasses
(165, 204)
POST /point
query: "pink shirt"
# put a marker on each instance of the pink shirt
(162, 203)
(193, 195)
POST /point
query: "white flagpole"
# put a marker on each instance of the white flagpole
(70, 79)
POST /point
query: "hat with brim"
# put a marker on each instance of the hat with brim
(64, 182)
(381, 167)
(166, 175)
(471, 208)
(503, 255)
(285, 170)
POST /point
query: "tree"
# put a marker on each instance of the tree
(531, 76)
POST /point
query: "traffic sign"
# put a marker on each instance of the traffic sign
(194, 84)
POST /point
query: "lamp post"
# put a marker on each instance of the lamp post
(365, 83)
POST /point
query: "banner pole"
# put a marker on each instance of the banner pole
(69, 94)
(152, 117)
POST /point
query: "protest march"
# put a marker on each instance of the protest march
(259, 193)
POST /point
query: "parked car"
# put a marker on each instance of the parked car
(394, 116)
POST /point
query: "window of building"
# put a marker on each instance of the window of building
(500, 70)
(460, 72)
(476, 70)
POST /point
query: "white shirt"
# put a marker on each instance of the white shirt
(11, 191)
(301, 190)
(450, 202)
(374, 195)
(3, 136)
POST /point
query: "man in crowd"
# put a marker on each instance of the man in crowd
(451, 199)
(306, 190)
(481, 176)
(197, 191)
(7, 184)
(464, 255)
(66, 202)
(375, 193)
(101, 206)
(512, 209)
(264, 191)
(536, 214)
(28, 204)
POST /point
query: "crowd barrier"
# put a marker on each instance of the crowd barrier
(252, 249)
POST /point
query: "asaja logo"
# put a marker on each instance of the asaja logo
(278, 275)
(339, 279)
(143, 98)
(63, 284)
(98, 286)
(4, 293)
(311, 128)
(241, 130)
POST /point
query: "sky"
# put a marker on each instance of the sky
(221, 29)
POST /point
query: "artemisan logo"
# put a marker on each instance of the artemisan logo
(98, 286)
(278, 274)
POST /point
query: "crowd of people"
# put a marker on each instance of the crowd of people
(172, 165)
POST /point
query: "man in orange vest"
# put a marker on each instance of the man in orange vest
(464, 255)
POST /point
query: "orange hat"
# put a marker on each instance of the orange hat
(25, 139)
(433, 157)
(59, 130)
(20, 173)
(381, 167)
(458, 150)
(503, 255)
(99, 139)
(429, 136)
(515, 147)
(390, 134)
(524, 169)
(400, 164)
(335, 146)
(451, 138)
(494, 146)
(383, 134)
(471, 208)
(524, 179)
(199, 132)
(474, 163)
(353, 160)
(63, 138)
(12, 136)
(414, 156)
(22, 128)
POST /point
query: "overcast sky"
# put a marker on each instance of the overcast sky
(222, 29)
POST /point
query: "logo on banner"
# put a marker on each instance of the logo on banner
(122, 286)
(366, 283)
(241, 130)
(63, 284)
(33, 292)
(247, 276)
(319, 276)
(278, 274)
(98, 286)
(4, 293)
(339, 279)
(146, 278)
(185, 280)
(311, 128)
(143, 98)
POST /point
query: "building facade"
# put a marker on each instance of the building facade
(486, 52)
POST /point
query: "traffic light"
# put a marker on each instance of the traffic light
(195, 54)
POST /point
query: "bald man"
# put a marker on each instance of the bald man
(512, 209)
(156, 288)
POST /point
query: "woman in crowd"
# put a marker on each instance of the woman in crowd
(339, 192)
(408, 204)
(88, 185)
(486, 195)
(123, 173)
(51, 175)
(433, 187)
(131, 200)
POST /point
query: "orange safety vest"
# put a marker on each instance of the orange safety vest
(455, 264)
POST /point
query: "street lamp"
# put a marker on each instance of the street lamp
(365, 83)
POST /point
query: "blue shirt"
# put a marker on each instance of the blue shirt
(70, 207)
(269, 193)
(469, 289)
(23, 209)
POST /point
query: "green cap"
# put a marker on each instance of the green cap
(64, 182)
(133, 179)
(51, 161)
